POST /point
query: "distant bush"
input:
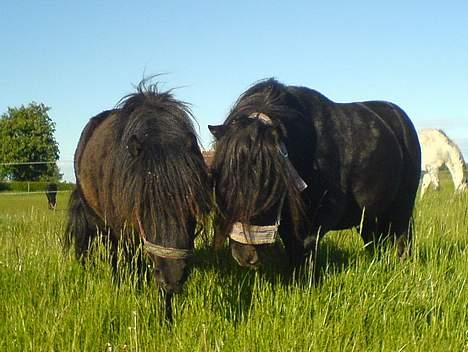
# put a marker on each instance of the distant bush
(37, 186)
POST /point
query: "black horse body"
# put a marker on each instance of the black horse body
(141, 178)
(51, 194)
(361, 162)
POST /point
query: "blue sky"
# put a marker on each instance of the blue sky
(81, 57)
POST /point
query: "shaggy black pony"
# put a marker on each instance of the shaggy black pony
(141, 178)
(51, 194)
(288, 157)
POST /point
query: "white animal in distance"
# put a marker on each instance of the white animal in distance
(438, 150)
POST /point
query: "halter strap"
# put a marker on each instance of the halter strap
(161, 251)
(298, 180)
(167, 252)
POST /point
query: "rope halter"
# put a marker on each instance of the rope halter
(161, 251)
(257, 235)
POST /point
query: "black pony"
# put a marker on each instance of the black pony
(289, 158)
(51, 194)
(141, 178)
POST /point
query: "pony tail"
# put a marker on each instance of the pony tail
(79, 229)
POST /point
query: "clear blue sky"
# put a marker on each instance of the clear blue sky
(81, 57)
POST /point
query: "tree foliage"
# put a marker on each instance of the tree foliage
(27, 135)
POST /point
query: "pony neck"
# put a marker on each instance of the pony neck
(455, 165)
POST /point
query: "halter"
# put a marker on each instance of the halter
(161, 251)
(256, 235)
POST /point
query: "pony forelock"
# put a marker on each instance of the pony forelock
(250, 173)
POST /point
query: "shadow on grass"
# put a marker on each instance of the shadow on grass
(439, 250)
(232, 295)
(233, 289)
(275, 268)
(237, 285)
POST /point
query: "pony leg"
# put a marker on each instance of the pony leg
(220, 233)
(293, 245)
(395, 225)
(370, 233)
(462, 187)
(302, 254)
(434, 175)
(400, 232)
(294, 249)
(375, 232)
(404, 242)
(426, 182)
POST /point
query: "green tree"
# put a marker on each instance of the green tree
(27, 135)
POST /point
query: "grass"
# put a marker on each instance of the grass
(49, 302)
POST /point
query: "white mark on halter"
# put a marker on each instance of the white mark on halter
(253, 234)
(262, 117)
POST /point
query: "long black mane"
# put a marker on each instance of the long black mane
(160, 173)
(247, 165)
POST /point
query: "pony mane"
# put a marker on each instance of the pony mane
(251, 175)
(167, 181)
(457, 154)
(268, 96)
(148, 98)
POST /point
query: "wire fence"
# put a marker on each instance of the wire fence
(25, 193)
(37, 162)
(28, 190)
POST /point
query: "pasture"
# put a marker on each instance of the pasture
(49, 302)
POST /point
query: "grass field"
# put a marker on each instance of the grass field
(49, 302)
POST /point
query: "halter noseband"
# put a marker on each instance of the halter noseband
(161, 251)
(256, 235)
(253, 234)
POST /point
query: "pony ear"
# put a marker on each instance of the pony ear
(217, 130)
(134, 146)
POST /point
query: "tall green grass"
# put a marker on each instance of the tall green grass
(50, 302)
